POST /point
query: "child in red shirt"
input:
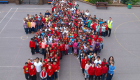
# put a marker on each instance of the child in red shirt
(98, 72)
(91, 72)
(50, 73)
(32, 72)
(105, 72)
(55, 68)
(26, 71)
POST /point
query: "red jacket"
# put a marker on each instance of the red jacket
(55, 67)
(94, 26)
(32, 71)
(53, 9)
(49, 72)
(32, 44)
(26, 69)
(105, 70)
(103, 64)
(100, 39)
(91, 70)
(83, 63)
(98, 71)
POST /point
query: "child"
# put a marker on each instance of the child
(26, 27)
(101, 47)
(32, 46)
(98, 72)
(43, 74)
(66, 48)
(105, 72)
(50, 73)
(32, 72)
(91, 71)
(75, 47)
(86, 69)
(55, 68)
(33, 26)
(70, 47)
(26, 71)
(97, 61)
(104, 62)
(103, 31)
(90, 56)
(29, 26)
(83, 63)
(111, 71)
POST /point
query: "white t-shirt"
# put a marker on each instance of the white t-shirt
(97, 62)
(87, 13)
(38, 66)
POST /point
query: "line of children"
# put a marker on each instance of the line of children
(67, 30)
(49, 69)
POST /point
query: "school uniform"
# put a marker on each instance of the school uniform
(55, 67)
(83, 63)
(98, 72)
(26, 70)
(104, 71)
(43, 75)
(32, 72)
(91, 72)
(32, 46)
(50, 73)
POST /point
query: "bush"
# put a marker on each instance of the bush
(128, 1)
(94, 1)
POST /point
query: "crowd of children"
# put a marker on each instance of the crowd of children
(67, 30)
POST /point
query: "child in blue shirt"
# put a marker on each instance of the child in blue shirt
(110, 71)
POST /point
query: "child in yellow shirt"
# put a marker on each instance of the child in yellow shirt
(29, 26)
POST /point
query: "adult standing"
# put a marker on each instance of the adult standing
(110, 60)
(111, 71)
(110, 25)
(38, 65)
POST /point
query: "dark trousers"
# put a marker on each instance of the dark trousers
(26, 30)
(62, 52)
(32, 50)
(27, 76)
(49, 78)
(37, 49)
(96, 51)
(109, 77)
(43, 51)
(33, 29)
(30, 29)
(97, 77)
(33, 77)
(39, 27)
(106, 32)
(99, 50)
(55, 75)
(103, 76)
(44, 55)
(103, 34)
(91, 77)
(109, 32)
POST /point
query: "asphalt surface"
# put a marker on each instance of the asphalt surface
(123, 43)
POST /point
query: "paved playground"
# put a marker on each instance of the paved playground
(123, 43)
